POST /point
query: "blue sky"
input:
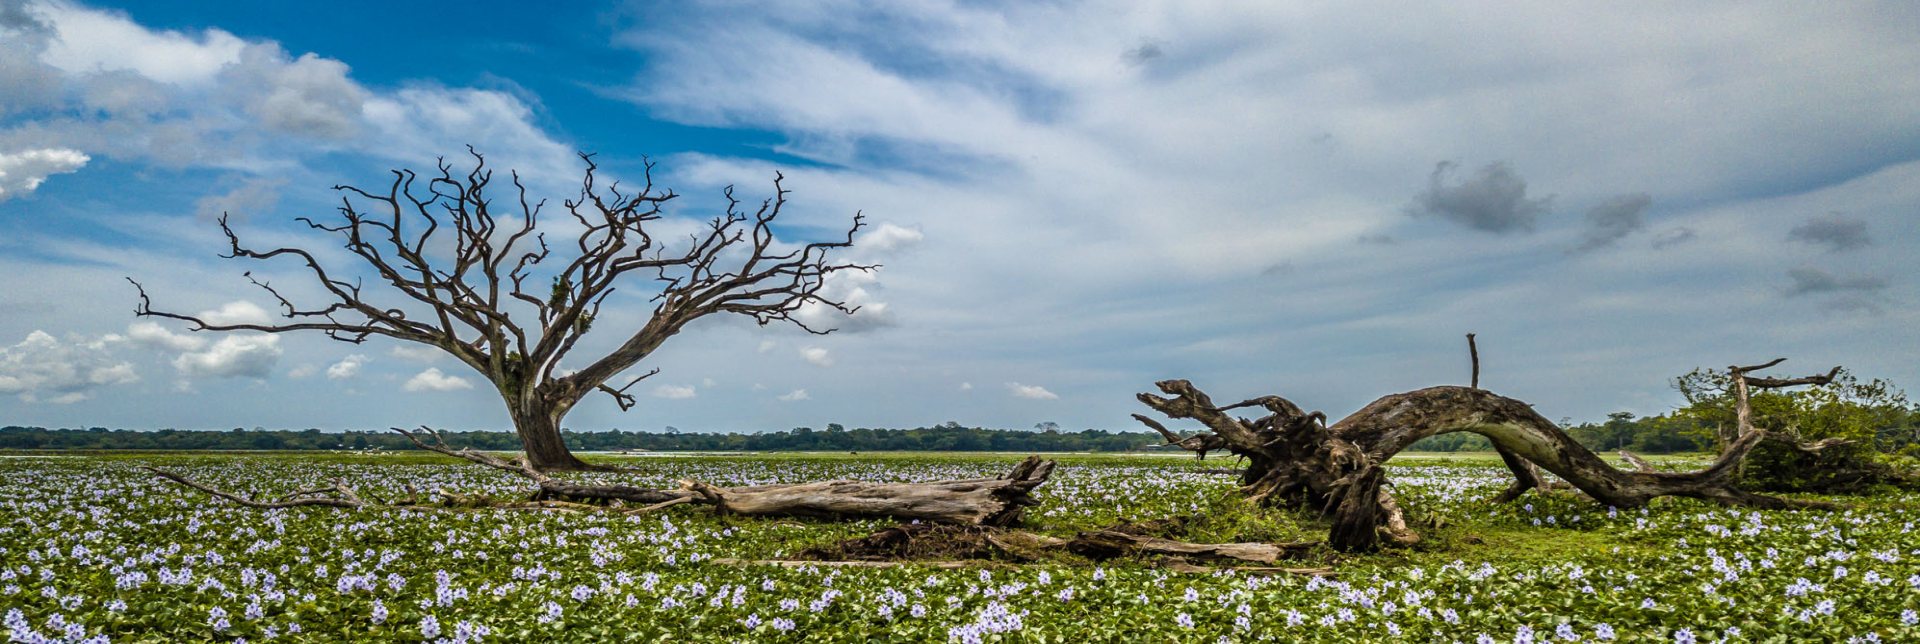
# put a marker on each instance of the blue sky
(1070, 200)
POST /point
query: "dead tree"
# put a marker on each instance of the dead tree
(1296, 460)
(459, 273)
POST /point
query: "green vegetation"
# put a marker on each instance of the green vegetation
(1875, 415)
(94, 548)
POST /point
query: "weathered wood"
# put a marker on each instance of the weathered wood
(996, 501)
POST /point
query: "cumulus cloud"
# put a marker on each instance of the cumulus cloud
(1493, 200)
(302, 371)
(249, 355)
(674, 392)
(794, 396)
(23, 171)
(887, 238)
(817, 355)
(1031, 392)
(433, 380)
(44, 368)
(966, 386)
(151, 335)
(309, 96)
(767, 345)
(1674, 237)
(253, 195)
(1612, 220)
(853, 289)
(90, 41)
(347, 367)
(99, 83)
(237, 312)
(1837, 232)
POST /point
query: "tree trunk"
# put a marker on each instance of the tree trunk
(1298, 462)
(539, 429)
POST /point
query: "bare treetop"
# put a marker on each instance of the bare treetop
(734, 265)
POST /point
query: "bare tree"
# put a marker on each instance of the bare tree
(446, 249)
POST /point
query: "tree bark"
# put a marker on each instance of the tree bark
(538, 427)
(1297, 462)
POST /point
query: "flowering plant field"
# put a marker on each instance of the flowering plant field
(94, 550)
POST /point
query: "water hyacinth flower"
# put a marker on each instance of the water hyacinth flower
(429, 627)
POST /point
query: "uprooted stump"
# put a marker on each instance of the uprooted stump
(998, 501)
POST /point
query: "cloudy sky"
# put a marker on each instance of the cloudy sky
(1070, 200)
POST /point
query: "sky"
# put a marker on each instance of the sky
(1069, 200)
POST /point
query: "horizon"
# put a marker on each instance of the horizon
(1069, 202)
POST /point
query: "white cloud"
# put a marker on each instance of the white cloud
(22, 172)
(237, 312)
(887, 237)
(674, 392)
(1031, 392)
(302, 371)
(817, 356)
(310, 96)
(347, 367)
(250, 355)
(966, 386)
(64, 372)
(853, 289)
(150, 334)
(97, 82)
(424, 122)
(767, 345)
(417, 352)
(707, 382)
(794, 396)
(433, 380)
(90, 41)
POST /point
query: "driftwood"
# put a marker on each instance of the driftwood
(1000, 501)
(1296, 460)
(997, 501)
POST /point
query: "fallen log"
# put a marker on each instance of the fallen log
(998, 501)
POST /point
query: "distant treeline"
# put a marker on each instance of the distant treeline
(1663, 434)
(946, 437)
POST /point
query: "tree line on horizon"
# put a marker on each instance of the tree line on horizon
(945, 437)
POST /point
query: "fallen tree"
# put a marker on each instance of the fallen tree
(1294, 459)
(998, 501)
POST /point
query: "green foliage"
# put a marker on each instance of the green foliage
(1874, 416)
